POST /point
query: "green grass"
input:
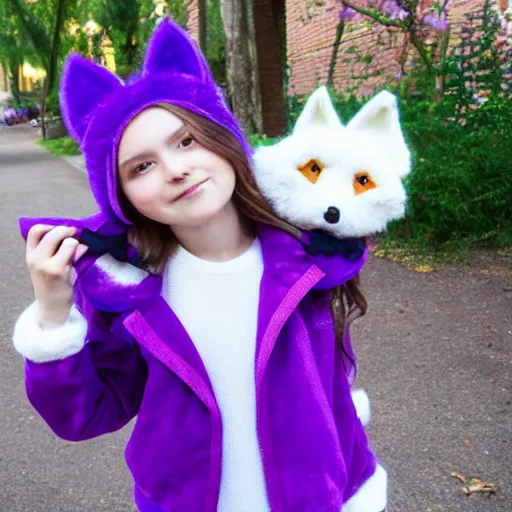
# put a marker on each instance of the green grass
(65, 146)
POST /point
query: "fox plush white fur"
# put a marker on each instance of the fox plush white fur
(342, 180)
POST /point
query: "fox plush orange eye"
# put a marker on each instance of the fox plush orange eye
(363, 183)
(312, 170)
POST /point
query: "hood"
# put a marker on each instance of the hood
(97, 105)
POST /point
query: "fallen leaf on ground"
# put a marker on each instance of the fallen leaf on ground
(423, 268)
(473, 485)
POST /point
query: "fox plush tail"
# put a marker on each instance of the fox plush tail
(362, 405)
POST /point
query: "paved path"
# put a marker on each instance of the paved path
(434, 351)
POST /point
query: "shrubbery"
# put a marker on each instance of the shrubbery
(460, 188)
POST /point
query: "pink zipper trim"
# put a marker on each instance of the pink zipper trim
(290, 302)
(137, 325)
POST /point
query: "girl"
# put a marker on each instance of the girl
(193, 307)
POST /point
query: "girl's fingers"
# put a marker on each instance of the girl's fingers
(65, 252)
(51, 241)
(35, 234)
(79, 252)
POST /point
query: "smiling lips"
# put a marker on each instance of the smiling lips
(190, 190)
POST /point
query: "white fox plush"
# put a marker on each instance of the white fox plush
(342, 180)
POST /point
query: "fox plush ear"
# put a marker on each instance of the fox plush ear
(318, 111)
(171, 49)
(380, 118)
(84, 86)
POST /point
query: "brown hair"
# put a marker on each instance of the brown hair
(155, 242)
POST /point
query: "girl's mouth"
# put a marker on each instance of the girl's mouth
(191, 191)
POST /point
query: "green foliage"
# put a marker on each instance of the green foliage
(65, 146)
(52, 104)
(215, 50)
(259, 140)
(460, 186)
(12, 50)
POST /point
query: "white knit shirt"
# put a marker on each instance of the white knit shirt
(217, 303)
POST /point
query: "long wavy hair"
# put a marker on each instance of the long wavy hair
(155, 242)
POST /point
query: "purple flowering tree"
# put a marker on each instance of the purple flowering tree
(424, 25)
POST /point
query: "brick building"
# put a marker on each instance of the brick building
(310, 32)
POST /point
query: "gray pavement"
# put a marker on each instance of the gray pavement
(434, 354)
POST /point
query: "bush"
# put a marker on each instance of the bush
(460, 185)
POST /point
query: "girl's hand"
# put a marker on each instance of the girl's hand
(50, 253)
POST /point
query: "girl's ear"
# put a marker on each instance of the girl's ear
(84, 86)
(318, 111)
(379, 118)
(172, 50)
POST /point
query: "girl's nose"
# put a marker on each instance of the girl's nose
(176, 169)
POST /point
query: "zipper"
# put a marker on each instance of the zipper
(289, 303)
(141, 330)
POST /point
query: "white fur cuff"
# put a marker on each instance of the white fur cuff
(362, 405)
(372, 495)
(41, 346)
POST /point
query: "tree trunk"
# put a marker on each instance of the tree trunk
(270, 39)
(203, 26)
(14, 70)
(240, 64)
(130, 44)
(42, 110)
(54, 55)
(51, 78)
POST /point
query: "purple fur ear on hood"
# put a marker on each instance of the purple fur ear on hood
(172, 49)
(84, 86)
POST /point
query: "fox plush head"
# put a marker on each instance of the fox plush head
(342, 180)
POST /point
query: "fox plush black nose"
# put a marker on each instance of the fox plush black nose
(332, 215)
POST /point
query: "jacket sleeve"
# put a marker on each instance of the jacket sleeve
(81, 379)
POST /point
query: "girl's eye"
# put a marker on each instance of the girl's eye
(186, 142)
(141, 168)
(311, 170)
(362, 183)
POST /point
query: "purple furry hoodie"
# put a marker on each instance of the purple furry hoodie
(138, 360)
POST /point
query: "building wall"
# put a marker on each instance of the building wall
(311, 31)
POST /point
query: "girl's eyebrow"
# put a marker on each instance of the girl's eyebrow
(180, 132)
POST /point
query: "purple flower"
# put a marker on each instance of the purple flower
(479, 99)
(398, 75)
(348, 14)
(436, 21)
(393, 10)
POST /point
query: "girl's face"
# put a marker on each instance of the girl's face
(167, 175)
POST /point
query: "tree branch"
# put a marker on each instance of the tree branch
(335, 48)
(374, 15)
